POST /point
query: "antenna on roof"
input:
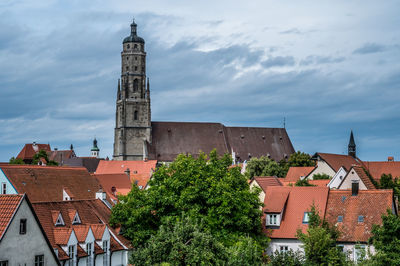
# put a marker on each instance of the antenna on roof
(284, 122)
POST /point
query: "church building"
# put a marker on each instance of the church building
(138, 138)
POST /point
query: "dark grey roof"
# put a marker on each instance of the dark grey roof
(172, 138)
(90, 163)
(133, 38)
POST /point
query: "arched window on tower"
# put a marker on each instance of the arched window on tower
(135, 115)
(135, 85)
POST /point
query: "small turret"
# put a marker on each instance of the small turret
(95, 150)
(352, 146)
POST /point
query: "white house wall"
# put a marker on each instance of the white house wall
(337, 178)
(275, 244)
(348, 180)
(119, 258)
(9, 187)
(22, 249)
(261, 196)
(322, 168)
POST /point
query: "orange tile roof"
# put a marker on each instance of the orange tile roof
(81, 252)
(46, 183)
(8, 206)
(98, 249)
(295, 173)
(265, 181)
(29, 150)
(363, 176)
(61, 235)
(299, 201)
(275, 199)
(369, 203)
(81, 232)
(121, 182)
(319, 182)
(139, 170)
(338, 160)
(376, 169)
(98, 230)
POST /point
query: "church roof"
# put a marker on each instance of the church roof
(172, 138)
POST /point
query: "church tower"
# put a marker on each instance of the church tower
(133, 114)
(352, 146)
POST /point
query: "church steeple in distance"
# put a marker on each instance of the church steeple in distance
(133, 117)
(352, 146)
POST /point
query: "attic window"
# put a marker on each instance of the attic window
(60, 221)
(76, 220)
(340, 219)
(360, 218)
(273, 219)
(343, 198)
(306, 217)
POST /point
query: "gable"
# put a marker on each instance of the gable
(356, 174)
(337, 178)
(10, 189)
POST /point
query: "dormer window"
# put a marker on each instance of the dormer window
(340, 219)
(76, 219)
(59, 221)
(360, 218)
(273, 220)
(306, 217)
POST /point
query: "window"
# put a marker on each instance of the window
(105, 256)
(22, 226)
(360, 218)
(306, 217)
(127, 68)
(89, 251)
(3, 188)
(359, 252)
(128, 46)
(4, 263)
(135, 115)
(135, 85)
(71, 254)
(272, 219)
(136, 58)
(340, 218)
(135, 46)
(135, 68)
(39, 260)
(60, 221)
(283, 249)
(76, 220)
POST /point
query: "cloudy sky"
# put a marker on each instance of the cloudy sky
(326, 66)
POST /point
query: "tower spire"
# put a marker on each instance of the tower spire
(133, 28)
(352, 145)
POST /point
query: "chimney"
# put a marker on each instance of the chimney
(354, 188)
(114, 190)
(128, 172)
(390, 159)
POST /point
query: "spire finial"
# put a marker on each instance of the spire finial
(133, 27)
(352, 145)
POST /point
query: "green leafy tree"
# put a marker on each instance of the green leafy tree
(300, 159)
(320, 176)
(303, 183)
(14, 160)
(386, 240)
(264, 166)
(388, 182)
(42, 154)
(245, 252)
(319, 242)
(204, 189)
(289, 258)
(181, 242)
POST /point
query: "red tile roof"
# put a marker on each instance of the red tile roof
(265, 181)
(376, 169)
(320, 182)
(363, 176)
(298, 202)
(121, 182)
(60, 235)
(295, 173)
(275, 199)
(369, 203)
(8, 206)
(139, 170)
(338, 160)
(29, 150)
(47, 183)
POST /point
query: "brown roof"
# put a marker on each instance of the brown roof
(93, 213)
(266, 181)
(46, 183)
(338, 160)
(8, 206)
(90, 163)
(172, 138)
(30, 149)
(376, 169)
(121, 182)
(295, 173)
(370, 204)
(298, 202)
(319, 182)
(60, 156)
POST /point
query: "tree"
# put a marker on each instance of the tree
(181, 242)
(245, 252)
(388, 182)
(42, 154)
(319, 242)
(321, 176)
(300, 159)
(264, 166)
(201, 188)
(386, 240)
(303, 183)
(14, 160)
(289, 258)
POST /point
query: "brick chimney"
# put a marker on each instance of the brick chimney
(390, 159)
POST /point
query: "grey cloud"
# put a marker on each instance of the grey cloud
(369, 48)
(278, 61)
(291, 31)
(315, 59)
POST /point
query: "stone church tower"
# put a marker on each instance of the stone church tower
(133, 114)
